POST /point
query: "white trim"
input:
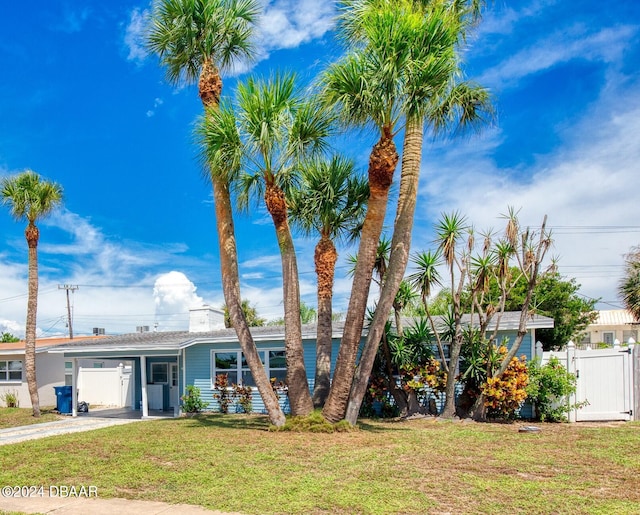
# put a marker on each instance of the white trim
(5, 379)
(143, 381)
(239, 368)
(74, 387)
(166, 364)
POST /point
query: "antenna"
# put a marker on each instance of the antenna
(72, 288)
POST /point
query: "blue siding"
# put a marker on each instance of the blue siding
(525, 347)
(198, 368)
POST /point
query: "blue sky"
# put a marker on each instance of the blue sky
(82, 104)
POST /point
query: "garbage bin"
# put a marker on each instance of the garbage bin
(63, 399)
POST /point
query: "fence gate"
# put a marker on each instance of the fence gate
(604, 382)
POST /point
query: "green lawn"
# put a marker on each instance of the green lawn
(232, 463)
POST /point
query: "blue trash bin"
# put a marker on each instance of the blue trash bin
(63, 399)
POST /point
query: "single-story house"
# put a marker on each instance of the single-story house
(609, 326)
(164, 363)
(51, 370)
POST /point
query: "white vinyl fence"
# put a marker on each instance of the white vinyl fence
(105, 386)
(607, 381)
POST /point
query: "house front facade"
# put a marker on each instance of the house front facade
(163, 364)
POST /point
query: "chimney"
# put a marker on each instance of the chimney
(204, 319)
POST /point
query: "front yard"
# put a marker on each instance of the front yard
(232, 463)
(14, 417)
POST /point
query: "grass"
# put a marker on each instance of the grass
(14, 417)
(233, 463)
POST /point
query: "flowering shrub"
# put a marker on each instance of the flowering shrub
(505, 394)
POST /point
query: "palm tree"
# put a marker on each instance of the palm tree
(29, 198)
(364, 89)
(329, 200)
(195, 40)
(414, 48)
(272, 131)
(629, 287)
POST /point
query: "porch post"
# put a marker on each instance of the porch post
(635, 378)
(74, 387)
(143, 381)
(571, 367)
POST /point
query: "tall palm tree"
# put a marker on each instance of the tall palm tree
(195, 40)
(629, 287)
(414, 45)
(330, 200)
(29, 198)
(272, 131)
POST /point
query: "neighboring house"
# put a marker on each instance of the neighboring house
(164, 363)
(611, 325)
(50, 370)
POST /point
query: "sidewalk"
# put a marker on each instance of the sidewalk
(83, 506)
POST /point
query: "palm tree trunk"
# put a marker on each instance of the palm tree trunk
(32, 235)
(297, 383)
(398, 259)
(325, 260)
(382, 165)
(232, 297)
(210, 87)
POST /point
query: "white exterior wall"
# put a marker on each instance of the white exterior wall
(49, 373)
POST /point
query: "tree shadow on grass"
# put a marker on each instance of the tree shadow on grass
(258, 422)
(253, 422)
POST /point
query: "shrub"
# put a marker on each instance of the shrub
(191, 401)
(244, 396)
(10, 398)
(224, 394)
(549, 387)
(505, 394)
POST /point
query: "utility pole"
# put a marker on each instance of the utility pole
(72, 288)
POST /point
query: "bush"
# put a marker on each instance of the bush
(244, 394)
(505, 394)
(10, 398)
(191, 401)
(549, 387)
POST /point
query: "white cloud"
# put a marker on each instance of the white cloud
(563, 46)
(134, 36)
(173, 295)
(289, 23)
(590, 181)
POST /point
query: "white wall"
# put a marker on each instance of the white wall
(49, 373)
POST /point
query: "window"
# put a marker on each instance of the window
(160, 373)
(11, 370)
(234, 364)
(608, 337)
